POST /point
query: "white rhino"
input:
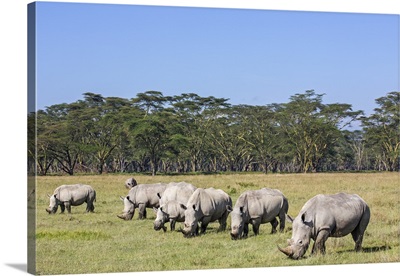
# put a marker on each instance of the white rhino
(172, 211)
(130, 183)
(170, 204)
(257, 207)
(179, 191)
(205, 206)
(71, 195)
(141, 196)
(326, 216)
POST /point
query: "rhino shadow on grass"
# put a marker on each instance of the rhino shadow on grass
(372, 249)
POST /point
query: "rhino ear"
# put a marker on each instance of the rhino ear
(194, 207)
(183, 206)
(229, 208)
(158, 194)
(241, 209)
(303, 217)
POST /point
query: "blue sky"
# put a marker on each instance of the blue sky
(252, 57)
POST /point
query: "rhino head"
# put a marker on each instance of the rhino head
(53, 206)
(130, 183)
(191, 227)
(162, 217)
(129, 209)
(298, 244)
(237, 222)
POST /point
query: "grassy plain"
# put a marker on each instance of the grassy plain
(100, 242)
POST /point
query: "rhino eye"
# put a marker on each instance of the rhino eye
(300, 242)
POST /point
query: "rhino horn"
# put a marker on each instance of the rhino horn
(287, 251)
(122, 216)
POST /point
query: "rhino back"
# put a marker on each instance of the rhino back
(147, 194)
(76, 194)
(264, 203)
(213, 202)
(341, 212)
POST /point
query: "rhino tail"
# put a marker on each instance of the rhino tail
(289, 218)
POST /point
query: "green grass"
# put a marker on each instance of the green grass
(100, 242)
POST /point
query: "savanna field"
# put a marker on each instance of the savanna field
(100, 242)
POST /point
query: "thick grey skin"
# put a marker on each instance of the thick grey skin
(326, 216)
(179, 191)
(66, 196)
(205, 206)
(174, 195)
(172, 211)
(142, 196)
(130, 183)
(258, 207)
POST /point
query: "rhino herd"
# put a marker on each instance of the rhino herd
(321, 217)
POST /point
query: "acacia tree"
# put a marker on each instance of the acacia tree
(225, 139)
(382, 130)
(38, 144)
(151, 131)
(261, 134)
(194, 115)
(151, 135)
(313, 127)
(118, 112)
(97, 128)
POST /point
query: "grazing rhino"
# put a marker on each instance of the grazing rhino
(205, 206)
(180, 192)
(170, 204)
(326, 216)
(257, 207)
(171, 211)
(141, 196)
(71, 195)
(130, 183)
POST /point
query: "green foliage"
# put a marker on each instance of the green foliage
(189, 133)
(382, 132)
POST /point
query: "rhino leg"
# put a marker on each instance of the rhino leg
(142, 211)
(172, 224)
(89, 207)
(319, 244)
(222, 222)
(245, 230)
(68, 207)
(62, 207)
(274, 224)
(203, 228)
(256, 227)
(358, 233)
(282, 221)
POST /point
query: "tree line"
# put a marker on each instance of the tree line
(153, 133)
